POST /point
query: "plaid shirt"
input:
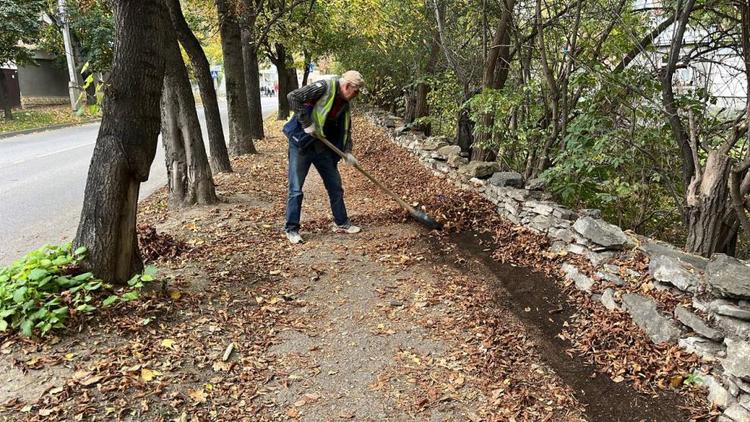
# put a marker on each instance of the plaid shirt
(309, 95)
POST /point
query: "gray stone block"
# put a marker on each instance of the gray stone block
(653, 248)
(670, 270)
(479, 169)
(726, 308)
(643, 310)
(456, 161)
(611, 277)
(561, 234)
(728, 277)
(564, 213)
(581, 281)
(449, 150)
(737, 362)
(717, 393)
(737, 413)
(507, 178)
(733, 326)
(536, 184)
(601, 233)
(703, 347)
(696, 323)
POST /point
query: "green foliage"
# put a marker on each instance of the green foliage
(45, 288)
(444, 100)
(92, 108)
(693, 379)
(92, 23)
(620, 158)
(382, 39)
(19, 26)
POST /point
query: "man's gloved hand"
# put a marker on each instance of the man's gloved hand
(350, 160)
(310, 129)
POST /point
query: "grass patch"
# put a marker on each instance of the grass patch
(41, 117)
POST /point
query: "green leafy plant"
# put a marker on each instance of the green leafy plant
(692, 379)
(46, 288)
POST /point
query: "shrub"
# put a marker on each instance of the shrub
(45, 288)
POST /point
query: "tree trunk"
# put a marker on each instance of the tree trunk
(188, 172)
(240, 139)
(465, 130)
(291, 73)
(252, 85)
(306, 73)
(216, 142)
(421, 106)
(126, 144)
(410, 106)
(287, 78)
(4, 98)
(494, 78)
(707, 204)
(670, 105)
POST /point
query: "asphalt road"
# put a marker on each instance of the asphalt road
(42, 179)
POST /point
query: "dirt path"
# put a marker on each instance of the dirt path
(388, 324)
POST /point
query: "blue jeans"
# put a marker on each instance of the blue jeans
(327, 165)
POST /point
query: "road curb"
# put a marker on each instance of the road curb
(45, 128)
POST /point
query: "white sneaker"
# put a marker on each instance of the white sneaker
(346, 228)
(294, 237)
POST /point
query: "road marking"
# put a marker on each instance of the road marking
(13, 163)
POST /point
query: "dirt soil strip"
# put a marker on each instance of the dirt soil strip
(542, 306)
(389, 324)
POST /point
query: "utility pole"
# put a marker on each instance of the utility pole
(74, 87)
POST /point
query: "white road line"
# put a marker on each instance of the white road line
(13, 163)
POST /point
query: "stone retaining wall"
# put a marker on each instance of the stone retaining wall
(715, 325)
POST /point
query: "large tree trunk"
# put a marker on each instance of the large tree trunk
(252, 84)
(707, 204)
(4, 98)
(216, 142)
(279, 59)
(126, 144)
(188, 172)
(240, 139)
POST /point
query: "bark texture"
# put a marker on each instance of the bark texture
(216, 142)
(240, 139)
(252, 85)
(126, 144)
(189, 175)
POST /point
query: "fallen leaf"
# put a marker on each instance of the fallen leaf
(198, 396)
(149, 374)
(91, 380)
(168, 343)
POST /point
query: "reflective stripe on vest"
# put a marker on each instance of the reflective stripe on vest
(323, 107)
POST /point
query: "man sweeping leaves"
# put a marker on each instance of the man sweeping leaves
(320, 110)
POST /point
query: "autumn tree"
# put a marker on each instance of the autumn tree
(19, 27)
